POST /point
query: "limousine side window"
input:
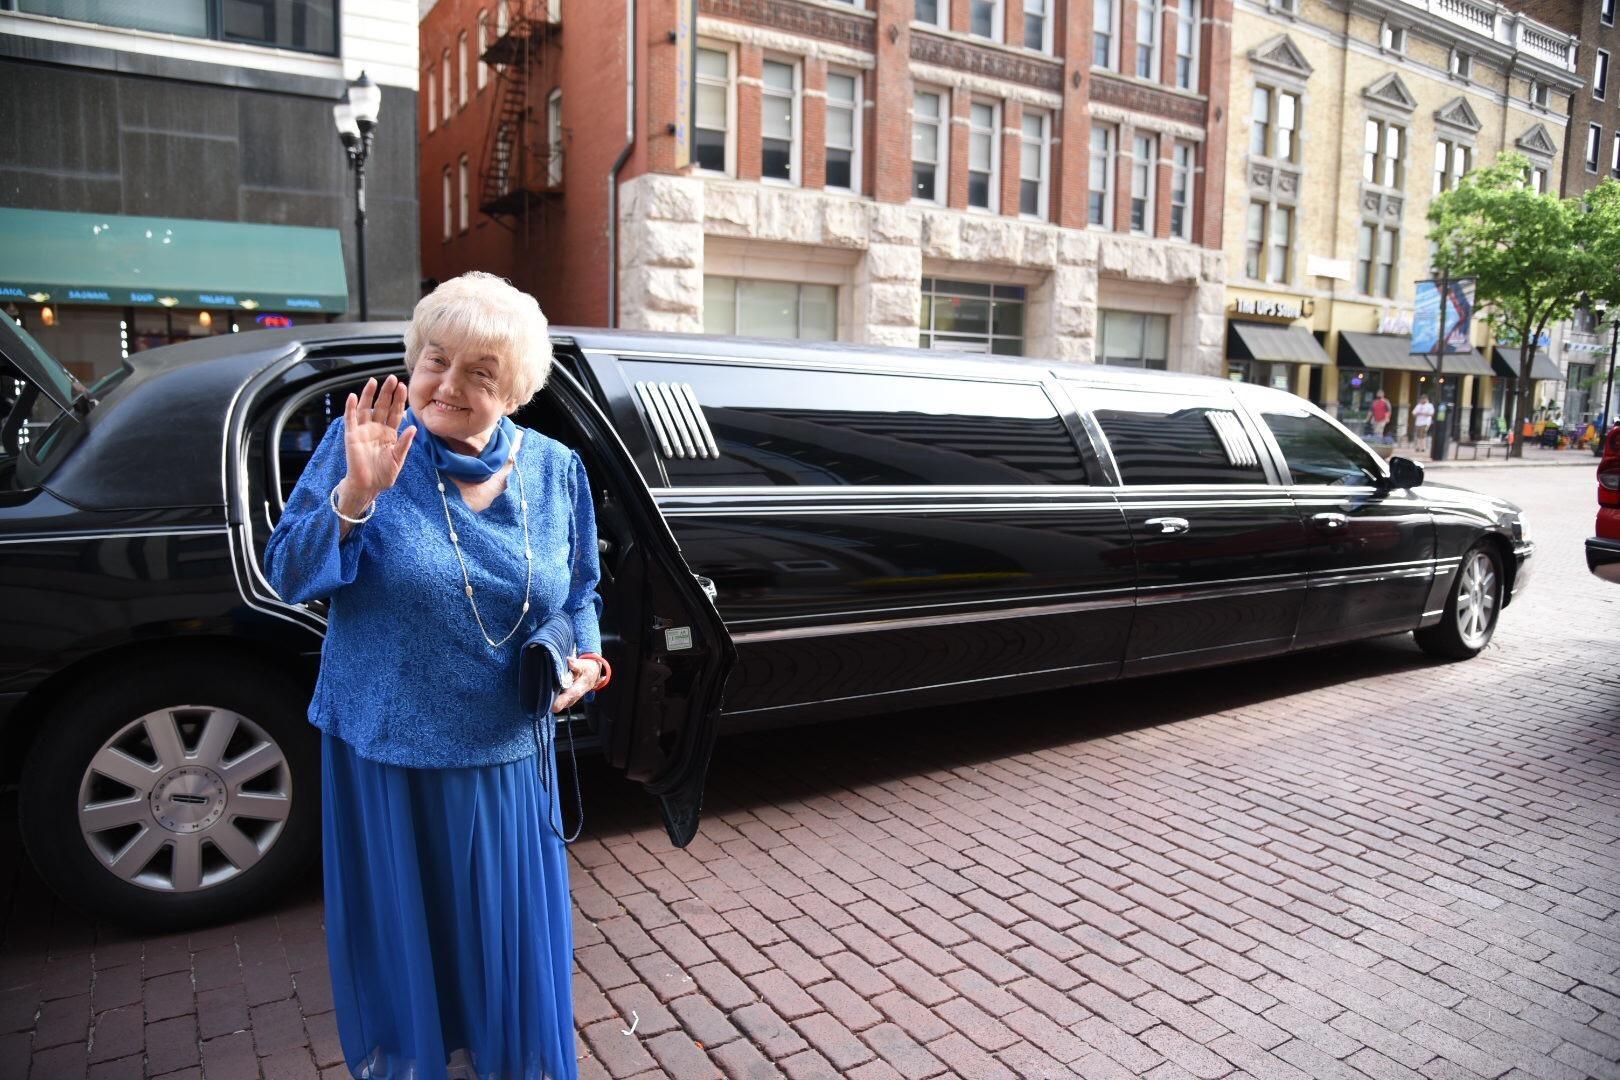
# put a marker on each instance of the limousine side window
(1175, 438)
(775, 427)
(303, 430)
(1319, 453)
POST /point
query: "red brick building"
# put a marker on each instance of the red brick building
(1033, 176)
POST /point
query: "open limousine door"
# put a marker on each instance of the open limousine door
(675, 651)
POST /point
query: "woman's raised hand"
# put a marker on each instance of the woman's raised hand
(375, 446)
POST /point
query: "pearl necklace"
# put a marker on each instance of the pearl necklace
(528, 556)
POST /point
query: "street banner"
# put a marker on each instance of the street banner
(685, 78)
(1459, 301)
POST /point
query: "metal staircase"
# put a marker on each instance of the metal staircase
(518, 175)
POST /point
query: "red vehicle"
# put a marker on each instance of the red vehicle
(1603, 550)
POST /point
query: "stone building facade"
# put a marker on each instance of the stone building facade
(1349, 116)
(1014, 176)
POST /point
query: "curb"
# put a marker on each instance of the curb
(1509, 463)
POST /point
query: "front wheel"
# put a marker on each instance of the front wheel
(1472, 606)
(174, 793)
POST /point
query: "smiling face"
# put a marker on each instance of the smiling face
(458, 393)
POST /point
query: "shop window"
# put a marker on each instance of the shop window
(970, 316)
(779, 309)
(1135, 339)
(777, 427)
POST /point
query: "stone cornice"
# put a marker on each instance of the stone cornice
(1142, 98)
(947, 52)
(804, 20)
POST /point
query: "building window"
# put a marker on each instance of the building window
(1181, 191)
(843, 130)
(779, 122)
(711, 128)
(1607, 13)
(432, 101)
(1104, 19)
(461, 70)
(1268, 242)
(1392, 37)
(1600, 76)
(1034, 164)
(503, 18)
(483, 44)
(463, 176)
(1036, 23)
(444, 69)
(1594, 140)
(1187, 45)
(1383, 154)
(449, 221)
(309, 26)
(554, 139)
(985, 19)
(1135, 339)
(1282, 237)
(1100, 182)
(1452, 161)
(929, 11)
(984, 153)
(1254, 241)
(1375, 255)
(968, 316)
(1274, 124)
(1537, 93)
(1614, 157)
(928, 146)
(782, 309)
(1147, 39)
(1538, 180)
(1144, 167)
(1460, 64)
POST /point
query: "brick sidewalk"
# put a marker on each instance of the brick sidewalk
(1349, 863)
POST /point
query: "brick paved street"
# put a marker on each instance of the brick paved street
(1351, 863)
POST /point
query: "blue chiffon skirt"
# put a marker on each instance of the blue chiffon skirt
(447, 920)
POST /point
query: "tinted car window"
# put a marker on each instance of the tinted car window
(782, 427)
(1319, 453)
(305, 426)
(1174, 438)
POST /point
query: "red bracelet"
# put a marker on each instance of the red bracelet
(607, 668)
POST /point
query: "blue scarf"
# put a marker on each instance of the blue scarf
(463, 466)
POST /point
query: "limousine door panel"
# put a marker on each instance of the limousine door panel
(1220, 552)
(884, 539)
(1371, 547)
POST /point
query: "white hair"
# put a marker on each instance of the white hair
(482, 312)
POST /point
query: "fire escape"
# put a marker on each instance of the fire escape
(520, 179)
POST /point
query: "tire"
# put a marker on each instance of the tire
(175, 793)
(1472, 608)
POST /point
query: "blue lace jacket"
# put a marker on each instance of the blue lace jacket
(406, 677)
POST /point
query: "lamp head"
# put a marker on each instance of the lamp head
(343, 117)
(365, 98)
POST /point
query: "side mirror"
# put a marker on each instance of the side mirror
(1405, 473)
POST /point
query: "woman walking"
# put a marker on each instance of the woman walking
(443, 535)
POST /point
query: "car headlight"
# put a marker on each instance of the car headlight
(1521, 528)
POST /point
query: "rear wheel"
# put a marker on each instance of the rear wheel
(174, 793)
(1471, 609)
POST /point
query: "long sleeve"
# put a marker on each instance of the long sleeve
(584, 604)
(305, 559)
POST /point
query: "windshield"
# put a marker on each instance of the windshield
(29, 361)
(37, 396)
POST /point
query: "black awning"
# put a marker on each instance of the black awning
(1391, 352)
(1263, 341)
(1505, 364)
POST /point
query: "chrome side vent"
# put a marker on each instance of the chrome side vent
(1239, 450)
(677, 420)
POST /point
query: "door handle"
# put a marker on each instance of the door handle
(1167, 526)
(707, 585)
(1329, 522)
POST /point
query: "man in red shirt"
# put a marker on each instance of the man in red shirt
(1380, 414)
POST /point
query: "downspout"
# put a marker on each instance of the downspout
(618, 162)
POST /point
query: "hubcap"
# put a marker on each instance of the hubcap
(185, 798)
(1476, 600)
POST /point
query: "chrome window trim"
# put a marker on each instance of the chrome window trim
(1100, 603)
(1106, 664)
(117, 534)
(874, 365)
(1125, 594)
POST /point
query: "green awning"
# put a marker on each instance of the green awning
(59, 258)
(1263, 341)
(1505, 361)
(1392, 352)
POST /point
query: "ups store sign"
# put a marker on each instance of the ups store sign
(1287, 310)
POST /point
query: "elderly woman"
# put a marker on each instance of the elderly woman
(443, 535)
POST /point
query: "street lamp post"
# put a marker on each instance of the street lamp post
(356, 120)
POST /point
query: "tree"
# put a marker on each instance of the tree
(1535, 257)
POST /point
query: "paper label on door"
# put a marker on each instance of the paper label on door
(677, 638)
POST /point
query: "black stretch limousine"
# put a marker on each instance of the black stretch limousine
(790, 532)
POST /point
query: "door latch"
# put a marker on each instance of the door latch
(1167, 526)
(707, 585)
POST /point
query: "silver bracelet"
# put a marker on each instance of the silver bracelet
(332, 499)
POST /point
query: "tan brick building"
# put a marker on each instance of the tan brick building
(1031, 176)
(1349, 116)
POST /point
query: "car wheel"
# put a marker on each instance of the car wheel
(1471, 608)
(172, 794)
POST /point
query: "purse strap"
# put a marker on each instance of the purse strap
(548, 760)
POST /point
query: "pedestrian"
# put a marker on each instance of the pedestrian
(1380, 414)
(443, 535)
(1422, 417)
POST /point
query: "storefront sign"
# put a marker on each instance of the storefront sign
(1398, 323)
(1268, 309)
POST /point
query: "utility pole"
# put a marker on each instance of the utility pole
(1442, 409)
